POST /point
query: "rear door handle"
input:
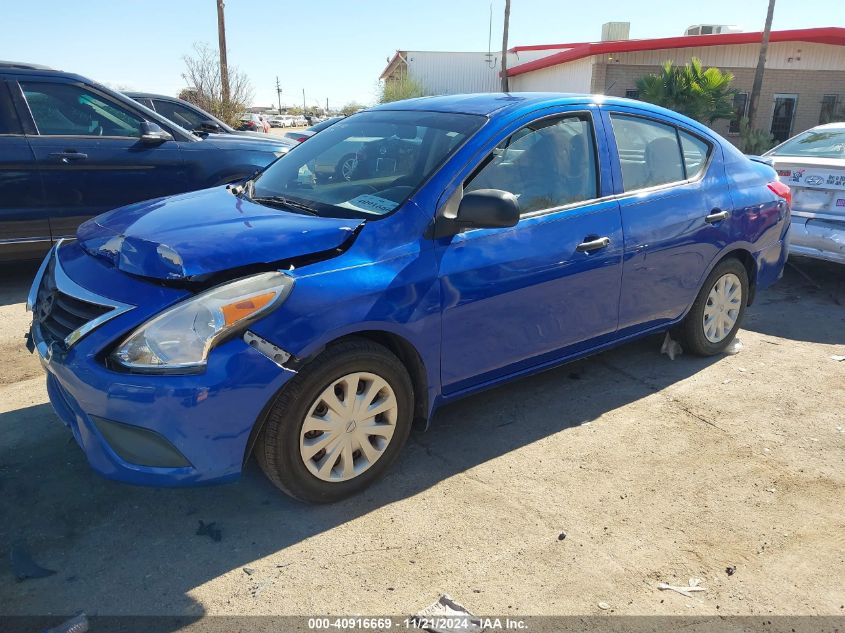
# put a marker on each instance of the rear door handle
(593, 245)
(716, 216)
(66, 157)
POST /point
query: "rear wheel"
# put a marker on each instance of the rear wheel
(715, 317)
(339, 424)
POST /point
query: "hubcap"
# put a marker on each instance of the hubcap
(348, 427)
(348, 168)
(722, 308)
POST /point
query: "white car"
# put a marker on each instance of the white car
(813, 165)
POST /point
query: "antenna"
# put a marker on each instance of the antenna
(491, 61)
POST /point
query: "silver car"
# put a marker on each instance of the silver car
(813, 165)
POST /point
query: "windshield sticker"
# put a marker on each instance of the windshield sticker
(370, 204)
(840, 202)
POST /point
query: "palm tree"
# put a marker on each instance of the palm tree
(761, 66)
(702, 94)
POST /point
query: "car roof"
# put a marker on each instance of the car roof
(148, 95)
(489, 102)
(518, 103)
(7, 65)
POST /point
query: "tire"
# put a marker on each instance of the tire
(283, 442)
(339, 169)
(701, 339)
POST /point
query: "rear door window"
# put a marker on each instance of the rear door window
(649, 152)
(61, 109)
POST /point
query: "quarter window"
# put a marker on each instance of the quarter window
(695, 151)
(67, 110)
(9, 123)
(649, 152)
(547, 164)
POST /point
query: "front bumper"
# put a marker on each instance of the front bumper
(207, 417)
(818, 238)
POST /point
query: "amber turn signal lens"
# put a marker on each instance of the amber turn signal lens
(234, 312)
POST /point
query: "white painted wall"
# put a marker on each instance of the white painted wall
(443, 73)
(570, 77)
(782, 55)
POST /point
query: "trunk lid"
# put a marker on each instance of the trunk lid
(818, 185)
(196, 235)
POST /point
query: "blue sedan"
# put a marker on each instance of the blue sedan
(475, 239)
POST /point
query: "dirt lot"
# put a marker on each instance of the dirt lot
(656, 470)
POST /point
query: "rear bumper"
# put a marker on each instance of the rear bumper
(769, 263)
(817, 238)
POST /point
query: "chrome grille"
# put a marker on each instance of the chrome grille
(63, 311)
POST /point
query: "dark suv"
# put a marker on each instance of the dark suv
(71, 149)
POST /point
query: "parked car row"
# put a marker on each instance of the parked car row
(310, 321)
(288, 120)
(71, 149)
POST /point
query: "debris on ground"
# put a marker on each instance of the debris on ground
(209, 529)
(77, 624)
(24, 567)
(446, 609)
(694, 586)
(734, 348)
(604, 606)
(561, 536)
(838, 358)
(671, 347)
(249, 571)
(731, 570)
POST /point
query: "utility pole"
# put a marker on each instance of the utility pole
(279, 93)
(505, 46)
(757, 86)
(221, 39)
(327, 106)
(303, 102)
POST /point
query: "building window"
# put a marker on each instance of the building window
(828, 108)
(740, 110)
(632, 94)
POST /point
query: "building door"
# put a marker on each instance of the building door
(783, 116)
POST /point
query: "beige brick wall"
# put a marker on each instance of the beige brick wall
(809, 85)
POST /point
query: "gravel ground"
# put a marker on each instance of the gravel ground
(655, 470)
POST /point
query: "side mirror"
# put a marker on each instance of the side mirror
(153, 134)
(480, 209)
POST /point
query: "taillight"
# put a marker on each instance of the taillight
(781, 190)
(299, 139)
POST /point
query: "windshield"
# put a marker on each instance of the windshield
(365, 165)
(815, 143)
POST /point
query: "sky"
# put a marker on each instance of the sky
(335, 49)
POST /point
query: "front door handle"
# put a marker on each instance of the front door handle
(593, 245)
(66, 157)
(716, 216)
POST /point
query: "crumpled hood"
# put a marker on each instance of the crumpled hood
(198, 234)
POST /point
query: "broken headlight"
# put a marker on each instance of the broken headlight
(181, 337)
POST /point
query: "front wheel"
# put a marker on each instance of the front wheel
(715, 317)
(338, 425)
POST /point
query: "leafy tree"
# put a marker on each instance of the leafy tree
(702, 94)
(202, 74)
(399, 89)
(351, 108)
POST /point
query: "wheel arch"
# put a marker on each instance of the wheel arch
(401, 347)
(747, 260)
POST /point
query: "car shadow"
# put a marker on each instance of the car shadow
(818, 289)
(15, 280)
(102, 535)
(125, 549)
